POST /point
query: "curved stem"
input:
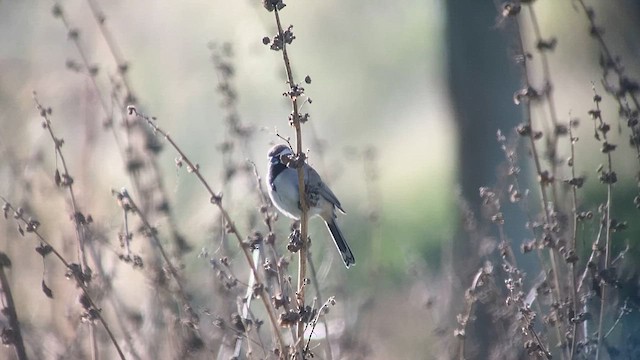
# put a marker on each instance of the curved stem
(19, 216)
(216, 199)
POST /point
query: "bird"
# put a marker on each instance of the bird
(322, 202)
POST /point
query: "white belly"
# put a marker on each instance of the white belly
(287, 198)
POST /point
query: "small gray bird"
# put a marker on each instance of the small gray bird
(283, 191)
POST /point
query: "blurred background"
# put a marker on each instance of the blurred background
(407, 97)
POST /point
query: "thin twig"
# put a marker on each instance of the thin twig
(10, 311)
(216, 199)
(609, 59)
(609, 178)
(543, 177)
(66, 180)
(595, 249)
(122, 67)
(331, 301)
(465, 318)
(284, 286)
(115, 51)
(316, 285)
(128, 204)
(552, 135)
(72, 269)
(74, 35)
(514, 275)
(574, 234)
(623, 311)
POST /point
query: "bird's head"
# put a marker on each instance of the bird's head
(277, 152)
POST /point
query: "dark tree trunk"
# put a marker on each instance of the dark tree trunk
(482, 79)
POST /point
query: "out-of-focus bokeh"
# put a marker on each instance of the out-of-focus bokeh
(407, 97)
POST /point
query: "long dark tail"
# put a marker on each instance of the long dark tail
(341, 244)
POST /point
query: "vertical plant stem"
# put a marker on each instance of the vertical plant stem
(77, 216)
(592, 257)
(541, 177)
(573, 245)
(603, 297)
(302, 256)
(552, 136)
(597, 116)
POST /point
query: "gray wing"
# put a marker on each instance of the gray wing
(314, 181)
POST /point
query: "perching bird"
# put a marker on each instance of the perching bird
(283, 191)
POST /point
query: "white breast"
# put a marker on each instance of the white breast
(286, 196)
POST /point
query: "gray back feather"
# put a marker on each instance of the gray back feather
(313, 180)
